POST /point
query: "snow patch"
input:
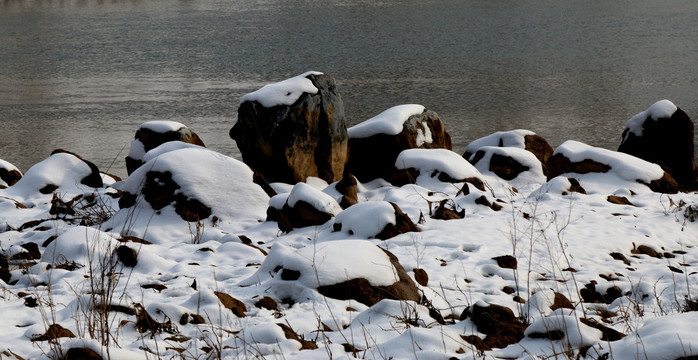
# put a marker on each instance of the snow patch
(285, 92)
(389, 122)
(662, 109)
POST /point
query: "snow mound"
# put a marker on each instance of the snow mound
(285, 92)
(155, 191)
(366, 219)
(429, 161)
(316, 198)
(62, 172)
(330, 263)
(662, 109)
(388, 122)
(162, 126)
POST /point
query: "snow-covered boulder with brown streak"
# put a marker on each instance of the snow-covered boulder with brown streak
(303, 206)
(375, 143)
(663, 134)
(9, 174)
(63, 172)
(520, 138)
(152, 134)
(339, 269)
(293, 129)
(374, 219)
(187, 186)
(605, 171)
(426, 165)
(519, 166)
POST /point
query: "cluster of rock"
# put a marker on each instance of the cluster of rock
(303, 134)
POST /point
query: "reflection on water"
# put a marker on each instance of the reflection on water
(82, 74)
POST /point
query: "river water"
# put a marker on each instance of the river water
(83, 74)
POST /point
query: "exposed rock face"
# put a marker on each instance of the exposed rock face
(667, 141)
(288, 143)
(374, 156)
(153, 134)
(362, 291)
(9, 174)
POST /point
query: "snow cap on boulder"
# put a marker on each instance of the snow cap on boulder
(444, 164)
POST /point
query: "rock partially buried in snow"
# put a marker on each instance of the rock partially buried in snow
(509, 164)
(622, 170)
(62, 172)
(345, 269)
(293, 129)
(374, 219)
(374, 144)
(447, 166)
(194, 183)
(304, 206)
(152, 134)
(663, 134)
(522, 139)
(9, 174)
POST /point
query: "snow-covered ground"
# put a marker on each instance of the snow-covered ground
(235, 286)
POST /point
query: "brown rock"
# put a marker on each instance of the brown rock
(620, 200)
(347, 187)
(127, 256)
(300, 215)
(374, 156)
(558, 164)
(289, 333)
(267, 303)
(362, 291)
(607, 334)
(506, 262)
(151, 139)
(288, 143)
(229, 302)
(668, 142)
(421, 276)
(81, 354)
(497, 322)
(561, 302)
(53, 332)
(403, 224)
(443, 212)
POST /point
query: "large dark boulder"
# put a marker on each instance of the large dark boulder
(663, 134)
(375, 144)
(153, 134)
(289, 132)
